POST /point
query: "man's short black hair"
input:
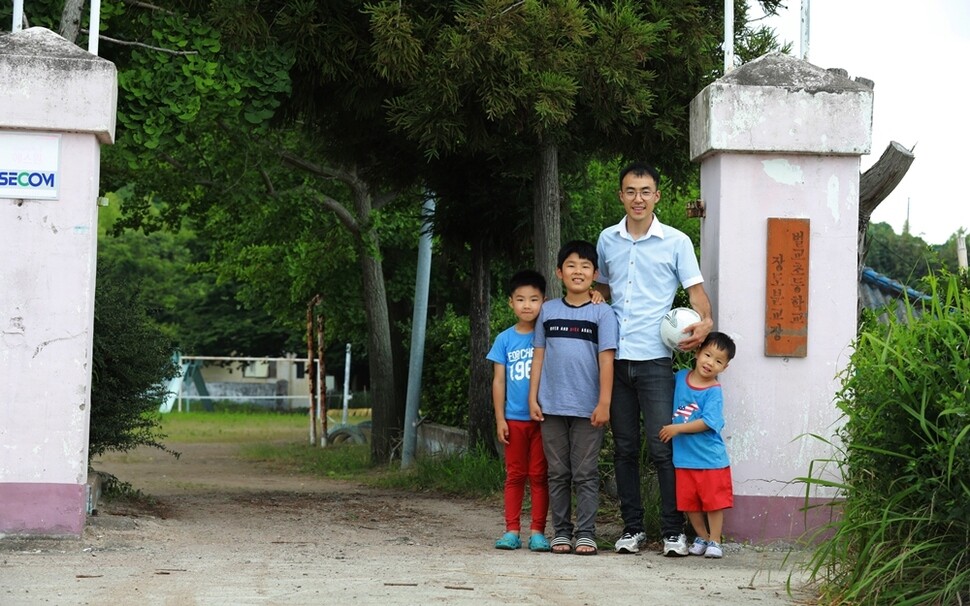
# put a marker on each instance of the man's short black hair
(640, 169)
(582, 248)
(527, 277)
(720, 341)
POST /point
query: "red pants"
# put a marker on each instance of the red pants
(524, 460)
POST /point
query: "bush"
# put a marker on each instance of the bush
(132, 363)
(444, 392)
(904, 523)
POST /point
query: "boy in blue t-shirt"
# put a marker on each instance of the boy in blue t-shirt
(511, 371)
(701, 461)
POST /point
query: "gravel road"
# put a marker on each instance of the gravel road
(228, 531)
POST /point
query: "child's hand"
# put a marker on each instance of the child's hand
(535, 412)
(502, 430)
(601, 415)
(667, 432)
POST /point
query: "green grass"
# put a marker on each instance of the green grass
(344, 461)
(240, 426)
(474, 474)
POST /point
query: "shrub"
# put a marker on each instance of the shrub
(132, 362)
(904, 524)
(445, 381)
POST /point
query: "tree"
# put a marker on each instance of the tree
(905, 258)
(194, 131)
(542, 86)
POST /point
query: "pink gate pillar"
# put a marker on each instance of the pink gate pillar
(779, 142)
(57, 106)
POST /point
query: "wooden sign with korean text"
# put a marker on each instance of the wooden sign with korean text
(786, 293)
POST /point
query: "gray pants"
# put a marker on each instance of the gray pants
(572, 447)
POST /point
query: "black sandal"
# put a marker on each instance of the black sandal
(560, 543)
(588, 545)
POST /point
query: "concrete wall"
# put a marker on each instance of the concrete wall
(48, 250)
(780, 138)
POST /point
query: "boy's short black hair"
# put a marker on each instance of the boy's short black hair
(527, 277)
(582, 248)
(722, 342)
(640, 169)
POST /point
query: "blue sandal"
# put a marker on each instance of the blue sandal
(538, 542)
(509, 540)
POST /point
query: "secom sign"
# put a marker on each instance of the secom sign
(29, 165)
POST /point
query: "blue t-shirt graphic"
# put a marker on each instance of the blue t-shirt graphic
(704, 450)
(514, 351)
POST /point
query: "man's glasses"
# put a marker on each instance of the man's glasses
(631, 194)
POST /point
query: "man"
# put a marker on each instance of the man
(642, 264)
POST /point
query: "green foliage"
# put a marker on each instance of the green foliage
(904, 460)
(444, 397)
(444, 382)
(476, 473)
(131, 363)
(903, 257)
(199, 315)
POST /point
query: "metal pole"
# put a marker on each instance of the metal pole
(94, 31)
(419, 323)
(310, 374)
(346, 383)
(806, 12)
(18, 16)
(728, 35)
(321, 381)
(962, 250)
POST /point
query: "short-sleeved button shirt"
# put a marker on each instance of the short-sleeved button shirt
(643, 276)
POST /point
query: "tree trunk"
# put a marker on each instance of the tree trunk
(876, 184)
(481, 427)
(400, 314)
(71, 20)
(546, 214)
(387, 413)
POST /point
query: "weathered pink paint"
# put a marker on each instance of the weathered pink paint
(766, 519)
(42, 509)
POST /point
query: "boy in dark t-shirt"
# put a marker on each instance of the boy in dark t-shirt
(572, 379)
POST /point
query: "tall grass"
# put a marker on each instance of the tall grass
(475, 473)
(903, 462)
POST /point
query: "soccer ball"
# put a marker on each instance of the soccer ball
(673, 324)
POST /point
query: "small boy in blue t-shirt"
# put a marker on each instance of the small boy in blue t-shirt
(512, 368)
(701, 461)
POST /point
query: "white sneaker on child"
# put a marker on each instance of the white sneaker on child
(698, 547)
(713, 550)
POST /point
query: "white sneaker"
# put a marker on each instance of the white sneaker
(630, 542)
(675, 545)
(698, 548)
(713, 550)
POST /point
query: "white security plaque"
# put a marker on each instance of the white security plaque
(29, 165)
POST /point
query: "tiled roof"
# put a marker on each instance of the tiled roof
(876, 292)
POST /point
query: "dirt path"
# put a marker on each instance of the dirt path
(228, 531)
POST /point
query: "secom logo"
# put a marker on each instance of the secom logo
(26, 179)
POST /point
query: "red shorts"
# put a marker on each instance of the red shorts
(704, 489)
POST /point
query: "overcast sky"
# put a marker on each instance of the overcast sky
(917, 54)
